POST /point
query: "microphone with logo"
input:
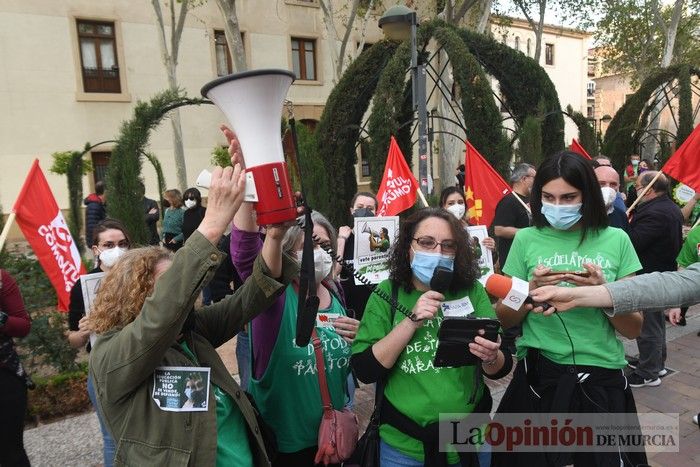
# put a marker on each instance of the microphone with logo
(513, 292)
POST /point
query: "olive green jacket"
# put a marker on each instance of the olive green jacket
(122, 361)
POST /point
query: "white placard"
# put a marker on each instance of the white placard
(373, 239)
(90, 284)
(477, 234)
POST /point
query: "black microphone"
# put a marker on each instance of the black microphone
(442, 278)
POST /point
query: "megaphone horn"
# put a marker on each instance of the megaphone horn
(252, 102)
(366, 229)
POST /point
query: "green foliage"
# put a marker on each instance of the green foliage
(530, 141)
(63, 160)
(311, 168)
(586, 133)
(47, 341)
(482, 117)
(125, 163)
(664, 149)
(339, 128)
(629, 123)
(72, 164)
(36, 289)
(220, 156)
(159, 176)
(632, 39)
(685, 106)
(523, 82)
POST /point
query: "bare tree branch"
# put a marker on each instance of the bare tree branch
(463, 8)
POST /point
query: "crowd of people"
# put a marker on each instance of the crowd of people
(163, 395)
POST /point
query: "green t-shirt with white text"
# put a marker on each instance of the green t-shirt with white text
(593, 336)
(690, 251)
(415, 387)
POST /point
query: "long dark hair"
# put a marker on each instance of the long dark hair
(465, 267)
(193, 192)
(577, 172)
(449, 191)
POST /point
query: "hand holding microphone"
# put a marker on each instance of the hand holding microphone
(514, 293)
(428, 304)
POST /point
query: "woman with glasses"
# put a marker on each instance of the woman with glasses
(399, 352)
(110, 241)
(569, 363)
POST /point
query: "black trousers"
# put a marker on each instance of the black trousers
(13, 406)
(303, 458)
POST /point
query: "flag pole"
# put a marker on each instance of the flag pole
(644, 192)
(422, 198)
(527, 208)
(6, 229)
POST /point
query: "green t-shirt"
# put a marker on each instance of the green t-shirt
(415, 387)
(288, 392)
(593, 337)
(690, 251)
(232, 447)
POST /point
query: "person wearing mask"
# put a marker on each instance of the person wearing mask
(194, 212)
(393, 349)
(283, 379)
(363, 204)
(172, 220)
(609, 181)
(95, 211)
(570, 243)
(453, 199)
(14, 322)
(110, 242)
(147, 327)
(630, 178)
(656, 231)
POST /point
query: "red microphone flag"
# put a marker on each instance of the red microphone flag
(684, 164)
(577, 148)
(484, 187)
(397, 192)
(45, 229)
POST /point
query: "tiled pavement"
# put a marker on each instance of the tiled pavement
(76, 441)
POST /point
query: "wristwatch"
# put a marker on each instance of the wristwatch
(3, 318)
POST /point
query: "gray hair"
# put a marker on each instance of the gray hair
(520, 171)
(292, 236)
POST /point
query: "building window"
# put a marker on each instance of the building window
(517, 43)
(364, 157)
(100, 162)
(529, 46)
(224, 63)
(549, 54)
(590, 89)
(304, 58)
(590, 111)
(98, 57)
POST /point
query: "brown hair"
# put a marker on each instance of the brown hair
(125, 287)
(174, 197)
(109, 224)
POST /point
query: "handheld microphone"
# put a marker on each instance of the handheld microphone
(512, 291)
(442, 278)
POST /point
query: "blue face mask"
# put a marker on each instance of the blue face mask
(562, 216)
(424, 264)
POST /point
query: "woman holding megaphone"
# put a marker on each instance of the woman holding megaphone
(151, 340)
(284, 380)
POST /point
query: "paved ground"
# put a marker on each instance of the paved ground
(76, 441)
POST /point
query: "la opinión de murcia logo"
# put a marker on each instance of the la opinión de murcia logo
(59, 240)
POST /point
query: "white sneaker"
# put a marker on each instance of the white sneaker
(663, 372)
(695, 419)
(636, 381)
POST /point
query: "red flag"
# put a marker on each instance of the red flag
(397, 192)
(45, 229)
(684, 164)
(577, 148)
(484, 187)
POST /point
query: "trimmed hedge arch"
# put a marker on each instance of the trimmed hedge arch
(125, 163)
(628, 125)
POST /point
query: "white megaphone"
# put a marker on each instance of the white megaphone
(366, 229)
(252, 102)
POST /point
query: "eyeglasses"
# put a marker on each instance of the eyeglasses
(429, 243)
(120, 244)
(191, 197)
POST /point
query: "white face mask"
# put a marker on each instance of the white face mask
(457, 210)
(109, 257)
(609, 195)
(190, 203)
(322, 264)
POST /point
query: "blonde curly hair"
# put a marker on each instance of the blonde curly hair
(125, 287)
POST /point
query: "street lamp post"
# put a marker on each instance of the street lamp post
(396, 23)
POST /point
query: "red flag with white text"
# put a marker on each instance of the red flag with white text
(397, 192)
(684, 164)
(577, 148)
(45, 229)
(484, 187)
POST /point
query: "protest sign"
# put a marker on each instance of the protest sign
(373, 239)
(477, 234)
(181, 388)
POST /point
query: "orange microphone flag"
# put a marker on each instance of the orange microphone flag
(45, 229)
(484, 188)
(684, 164)
(577, 148)
(397, 192)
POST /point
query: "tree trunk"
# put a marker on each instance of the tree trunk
(484, 17)
(232, 30)
(539, 31)
(363, 29)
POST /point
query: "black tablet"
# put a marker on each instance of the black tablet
(454, 337)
